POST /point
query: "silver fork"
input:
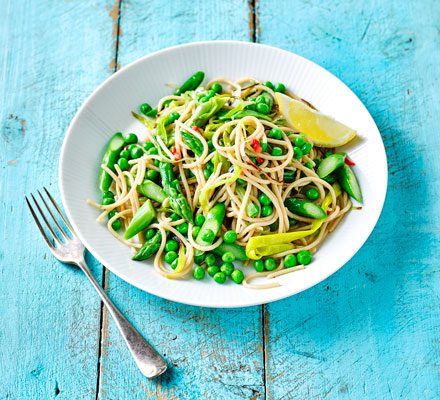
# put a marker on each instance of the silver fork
(70, 250)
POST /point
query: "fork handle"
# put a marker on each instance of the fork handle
(149, 361)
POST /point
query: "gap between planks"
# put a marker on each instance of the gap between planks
(115, 15)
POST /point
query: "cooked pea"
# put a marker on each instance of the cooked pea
(149, 233)
(199, 219)
(266, 211)
(136, 153)
(290, 261)
(270, 264)
(199, 272)
(123, 164)
(200, 258)
(277, 151)
(309, 165)
(152, 151)
(148, 145)
(304, 257)
(263, 108)
(216, 87)
(212, 270)
(228, 257)
(253, 210)
(258, 265)
(312, 193)
(264, 199)
(124, 154)
(171, 245)
(196, 231)
(107, 201)
(276, 133)
(208, 236)
(230, 236)
(145, 108)
(109, 194)
(306, 147)
(263, 145)
(299, 140)
(220, 277)
(207, 173)
(279, 87)
(116, 225)
(152, 174)
(170, 256)
(237, 276)
(297, 153)
(173, 116)
(175, 217)
(227, 268)
(131, 138)
(210, 260)
(182, 228)
(269, 84)
(241, 181)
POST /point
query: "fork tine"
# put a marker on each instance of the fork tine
(65, 220)
(53, 217)
(46, 221)
(37, 221)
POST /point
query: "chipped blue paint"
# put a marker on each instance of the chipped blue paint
(368, 332)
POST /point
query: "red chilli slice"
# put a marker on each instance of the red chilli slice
(259, 160)
(349, 162)
(177, 155)
(196, 128)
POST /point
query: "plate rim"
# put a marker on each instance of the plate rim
(164, 295)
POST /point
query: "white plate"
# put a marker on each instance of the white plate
(108, 109)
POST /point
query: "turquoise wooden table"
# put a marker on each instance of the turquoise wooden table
(371, 331)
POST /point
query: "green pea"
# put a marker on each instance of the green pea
(182, 228)
(258, 265)
(290, 261)
(131, 147)
(124, 154)
(210, 260)
(266, 211)
(207, 173)
(217, 88)
(210, 145)
(175, 217)
(145, 108)
(228, 257)
(131, 138)
(299, 140)
(199, 273)
(203, 99)
(292, 221)
(170, 256)
(111, 214)
(208, 236)
(227, 268)
(312, 193)
(166, 103)
(157, 163)
(196, 231)
(260, 99)
(171, 245)
(173, 116)
(306, 147)
(174, 263)
(212, 270)
(148, 145)
(253, 210)
(309, 165)
(220, 277)
(317, 161)
(210, 93)
(277, 151)
(200, 258)
(297, 153)
(263, 108)
(136, 153)
(230, 236)
(304, 257)
(116, 225)
(210, 166)
(241, 181)
(263, 145)
(251, 107)
(269, 84)
(237, 276)
(152, 174)
(149, 233)
(279, 87)
(199, 219)
(107, 201)
(328, 153)
(330, 178)
(152, 151)
(175, 184)
(108, 194)
(123, 164)
(270, 264)
(276, 133)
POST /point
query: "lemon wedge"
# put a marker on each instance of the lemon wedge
(321, 129)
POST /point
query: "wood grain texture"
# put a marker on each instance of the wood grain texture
(371, 331)
(52, 55)
(212, 354)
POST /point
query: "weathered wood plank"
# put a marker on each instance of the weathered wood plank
(52, 55)
(214, 354)
(371, 330)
